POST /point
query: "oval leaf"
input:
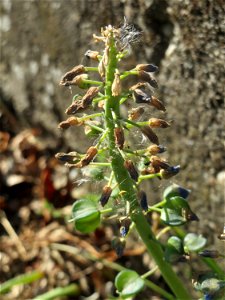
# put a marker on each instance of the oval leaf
(175, 190)
(174, 249)
(85, 215)
(128, 283)
(194, 242)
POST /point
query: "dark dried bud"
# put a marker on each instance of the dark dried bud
(158, 163)
(82, 103)
(72, 121)
(106, 193)
(135, 113)
(118, 245)
(158, 123)
(71, 157)
(128, 164)
(148, 78)
(143, 200)
(125, 226)
(141, 97)
(92, 54)
(138, 86)
(171, 171)
(147, 131)
(119, 137)
(157, 104)
(146, 68)
(156, 149)
(209, 253)
(69, 76)
(90, 154)
(116, 85)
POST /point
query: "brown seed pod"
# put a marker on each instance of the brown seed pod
(158, 162)
(106, 193)
(141, 97)
(128, 164)
(69, 76)
(71, 157)
(158, 123)
(116, 85)
(146, 67)
(72, 121)
(169, 172)
(92, 54)
(148, 78)
(135, 113)
(149, 133)
(138, 86)
(91, 93)
(90, 154)
(119, 137)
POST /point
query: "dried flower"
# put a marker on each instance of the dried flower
(71, 157)
(90, 154)
(116, 85)
(69, 76)
(138, 86)
(128, 164)
(143, 200)
(155, 149)
(106, 193)
(92, 54)
(146, 68)
(72, 121)
(169, 172)
(157, 104)
(135, 113)
(189, 215)
(209, 253)
(141, 97)
(148, 78)
(158, 123)
(147, 131)
(125, 226)
(119, 137)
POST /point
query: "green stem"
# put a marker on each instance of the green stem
(94, 69)
(149, 176)
(70, 290)
(129, 191)
(21, 279)
(92, 82)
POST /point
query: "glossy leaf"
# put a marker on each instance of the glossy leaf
(175, 190)
(128, 283)
(194, 242)
(174, 249)
(85, 215)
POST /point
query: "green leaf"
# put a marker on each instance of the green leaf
(174, 249)
(212, 285)
(175, 190)
(194, 242)
(128, 283)
(85, 215)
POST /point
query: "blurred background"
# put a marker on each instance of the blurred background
(40, 41)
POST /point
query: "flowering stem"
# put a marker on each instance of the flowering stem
(125, 183)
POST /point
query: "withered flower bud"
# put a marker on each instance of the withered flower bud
(71, 157)
(125, 226)
(155, 149)
(82, 103)
(138, 86)
(148, 78)
(209, 253)
(101, 68)
(157, 104)
(116, 85)
(141, 97)
(147, 131)
(92, 54)
(135, 113)
(119, 137)
(106, 193)
(159, 163)
(69, 76)
(72, 121)
(128, 164)
(118, 245)
(90, 154)
(146, 68)
(158, 123)
(168, 173)
(143, 200)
